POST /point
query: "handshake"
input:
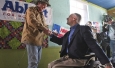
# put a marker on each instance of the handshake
(49, 32)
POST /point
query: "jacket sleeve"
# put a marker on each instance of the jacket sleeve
(33, 21)
(92, 44)
(56, 40)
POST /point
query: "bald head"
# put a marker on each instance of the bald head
(73, 19)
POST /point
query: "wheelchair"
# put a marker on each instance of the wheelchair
(91, 62)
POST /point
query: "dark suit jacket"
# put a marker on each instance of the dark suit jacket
(81, 41)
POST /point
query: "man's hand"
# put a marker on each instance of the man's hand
(47, 32)
(55, 33)
(109, 65)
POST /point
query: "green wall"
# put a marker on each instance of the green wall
(96, 13)
(61, 10)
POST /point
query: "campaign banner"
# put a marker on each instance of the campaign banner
(60, 30)
(13, 10)
(47, 12)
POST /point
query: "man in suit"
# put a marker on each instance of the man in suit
(76, 43)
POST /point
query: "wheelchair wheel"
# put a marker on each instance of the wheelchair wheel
(99, 66)
(90, 65)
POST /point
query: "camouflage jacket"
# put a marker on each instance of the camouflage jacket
(33, 27)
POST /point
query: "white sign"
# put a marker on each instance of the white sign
(13, 10)
(48, 15)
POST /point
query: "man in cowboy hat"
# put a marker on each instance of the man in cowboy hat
(34, 31)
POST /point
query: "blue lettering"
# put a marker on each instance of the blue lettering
(26, 6)
(18, 8)
(8, 4)
(45, 13)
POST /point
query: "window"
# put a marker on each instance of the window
(77, 6)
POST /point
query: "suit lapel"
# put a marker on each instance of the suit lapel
(75, 32)
(66, 38)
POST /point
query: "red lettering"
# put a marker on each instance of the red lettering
(23, 16)
(8, 14)
(19, 15)
(12, 14)
(4, 13)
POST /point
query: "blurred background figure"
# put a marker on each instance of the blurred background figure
(111, 34)
(105, 40)
(94, 29)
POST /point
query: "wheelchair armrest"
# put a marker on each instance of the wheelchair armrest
(90, 55)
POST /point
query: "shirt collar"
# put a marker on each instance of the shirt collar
(73, 27)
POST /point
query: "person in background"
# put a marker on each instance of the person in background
(111, 33)
(76, 43)
(94, 29)
(106, 39)
(33, 32)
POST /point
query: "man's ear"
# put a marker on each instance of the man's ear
(73, 18)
